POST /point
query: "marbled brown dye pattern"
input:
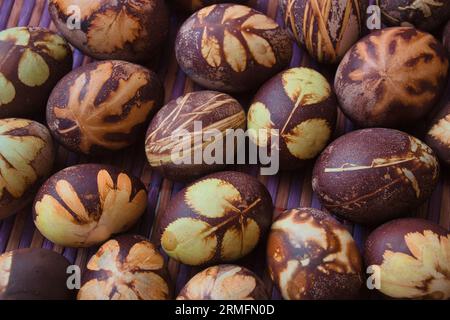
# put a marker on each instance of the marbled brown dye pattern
(103, 106)
(32, 61)
(131, 30)
(224, 282)
(231, 48)
(414, 259)
(391, 78)
(312, 256)
(213, 111)
(423, 14)
(218, 218)
(26, 160)
(373, 175)
(128, 267)
(34, 274)
(327, 28)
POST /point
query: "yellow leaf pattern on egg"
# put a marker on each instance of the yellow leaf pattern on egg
(260, 49)
(32, 70)
(7, 90)
(441, 130)
(211, 49)
(239, 240)
(259, 124)
(20, 36)
(234, 52)
(305, 86)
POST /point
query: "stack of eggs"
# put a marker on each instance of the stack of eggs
(386, 80)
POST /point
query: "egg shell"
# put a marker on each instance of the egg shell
(231, 48)
(26, 160)
(391, 78)
(122, 30)
(33, 59)
(446, 37)
(412, 259)
(103, 106)
(327, 29)
(224, 282)
(219, 218)
(438, 136)
(423, 14)
(128, 267)
(84, 205)
(312, 256)
(34, 274)
(300, 104)
(372, 175)
(213, 110)
(194, 5)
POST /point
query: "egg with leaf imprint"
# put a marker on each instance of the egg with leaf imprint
(411, 256)
(231, 48)
(128, 267)
(26, 160)
(34, 274)
(32, 61)
(423, 14)
(131, 30)
(86, 204)
(224, 282)
(298, 107)
(311, 256)
(218, 218)
(194, 5)
(438, 136)
(103, 106)
(370, 176)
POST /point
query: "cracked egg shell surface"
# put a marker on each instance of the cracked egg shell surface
(372, 175)
(391, 78)
(438, 136)
(231, 48)
(103, 106)
(300, 104)
(423, 14)
(224, 282)
(34, 274)
(218, 218)
(326, 28)
(413, 257)
(32, 61)
(26, 160)
(86, 204)
(128, 267)
(310, 255)
(215, 110)
(130, 30)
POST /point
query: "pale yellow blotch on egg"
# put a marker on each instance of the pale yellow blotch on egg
(7, 90)
(54, 46)
(441, 131)
(238, 241)
(20, 36)
(305, 86)
(33, 70)
(308, 138)
(5, 270)
(212, 198)
(259, 124)
(189, 241)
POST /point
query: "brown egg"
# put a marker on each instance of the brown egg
(446, 37)
(411, 257)
(103, 106)
(26, 159)
(373, 175)
(84, 205)
(131, 30)
(300, 104)
(326, 28)
(438, 136)
(32, 61)
(224, 282)
(128, 267)
(312, 256)
(423, 14)
(212, 111)
(34, 274)
(194, 5)
(231, 48)
(219, 218)
(391, 78)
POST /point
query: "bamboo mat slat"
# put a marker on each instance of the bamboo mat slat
(288, 190)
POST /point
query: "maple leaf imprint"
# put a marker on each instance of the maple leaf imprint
(89, 118)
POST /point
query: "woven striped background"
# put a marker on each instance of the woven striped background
(288, 190)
